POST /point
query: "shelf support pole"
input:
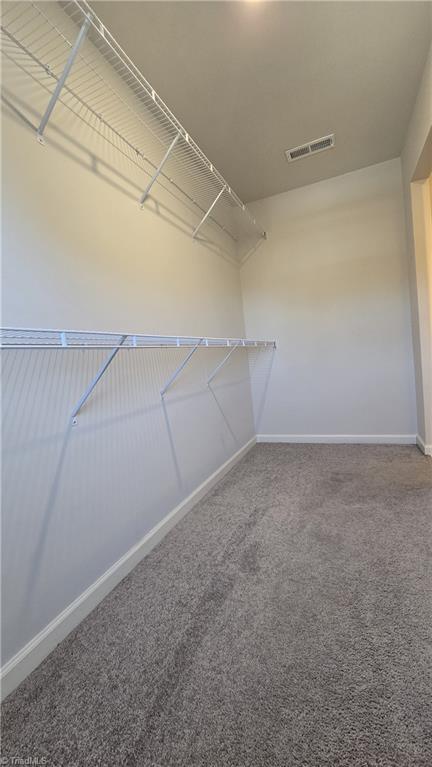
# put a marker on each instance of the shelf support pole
(159, 169)
(221, 364)
(196, 230)
(180, 368)
(96, 380)
(62, 79)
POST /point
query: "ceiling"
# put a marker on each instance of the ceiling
(251, 79)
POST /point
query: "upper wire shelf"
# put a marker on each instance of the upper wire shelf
(74, 56)
(32, 338)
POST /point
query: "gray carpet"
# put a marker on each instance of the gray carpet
(286, 621)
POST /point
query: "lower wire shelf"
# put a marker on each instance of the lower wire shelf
(42, 338)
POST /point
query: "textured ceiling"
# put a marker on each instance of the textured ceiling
(251, 79)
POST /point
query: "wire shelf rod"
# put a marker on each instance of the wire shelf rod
(50, 338)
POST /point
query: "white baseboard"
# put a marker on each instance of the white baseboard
(346, 439)
(27, 659)
(426, 449)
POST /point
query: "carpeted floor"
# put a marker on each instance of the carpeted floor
(286, 621)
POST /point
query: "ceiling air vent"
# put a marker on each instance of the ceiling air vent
(313, 147)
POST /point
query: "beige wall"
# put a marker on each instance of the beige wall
(74, 232)
(416, 166)
(77, 252)
(78, 236)
(331, 285)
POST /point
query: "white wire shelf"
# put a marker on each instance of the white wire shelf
(70, 52)
(35, 338)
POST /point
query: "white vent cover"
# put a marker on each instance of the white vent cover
(313, 147)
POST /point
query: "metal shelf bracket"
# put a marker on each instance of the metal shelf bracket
(196, 230)
(95, 381)
(221, 364)
(180, 368)
(159, 169)
(62, 79)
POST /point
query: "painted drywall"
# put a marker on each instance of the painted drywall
(416, 162)
(79, 253)
(331, 285)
